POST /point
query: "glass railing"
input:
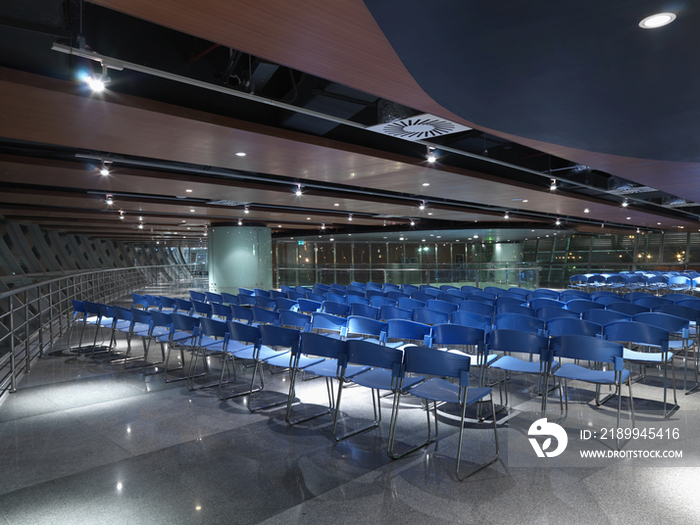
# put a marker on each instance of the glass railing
(479, 274)
(33, 316)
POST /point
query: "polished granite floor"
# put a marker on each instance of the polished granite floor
(86, 441)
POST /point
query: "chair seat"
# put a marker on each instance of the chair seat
(513, 364)
(678, 344)
(647, 357)
(579, 373)
(283, 361)
(160, 331)
(442, 390)
(181, 336)
(141, 329)
(123, 326)
(380, 379)
(107, 322)
(478, 358)
(267, 353)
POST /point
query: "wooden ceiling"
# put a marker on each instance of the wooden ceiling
(338, 41)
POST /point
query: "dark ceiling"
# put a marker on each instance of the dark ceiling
(548, 93)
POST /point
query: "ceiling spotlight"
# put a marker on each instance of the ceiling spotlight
(421, 206)
(553, 186)
(431, 154)
(586, 210)
(506, 216)
(140, 226)
(298, 191)
(657, 20)
(141, 219)
(625, 204)
(246, 210)
(637, 230)
(109, 200)
(413, 223)
(188, 191)
(240, 154)
(323, 226)
(240, 222)
(97, 81)
(558, 223)
(191, 210)
(104, 170)
(426, 184)
(350, 217)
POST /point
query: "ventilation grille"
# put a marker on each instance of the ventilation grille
(228, 203)
(420, 127)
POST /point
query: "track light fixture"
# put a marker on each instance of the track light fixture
(431, 154)
(413, 223)
(104, 170)
(553, 185)
(109, 200)
(421, 206)
(246, 210)
(625, 204)
(350, 217)
(323, 226)
(298, 192)
(140, 226)
(506, 216)
(240, 222)
(558, 223)
(97, 81)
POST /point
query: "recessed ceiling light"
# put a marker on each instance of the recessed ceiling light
(439, 236)
(657, 20)
(188, 191)
(426, 184)
(423, 240)
(279, 225)
(625, 204)
(586, 210)
(308, 218)
(629, 218)
(336, 204)
(240, 154)
(331, 239)
(525, 200)
(432, 235)
(401, 238)
(476, 236)
(192, 210)
(430, 213)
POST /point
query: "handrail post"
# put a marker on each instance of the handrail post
(13, 373)
(60, 311)
(26, 332)
(50, 315)
(41, 322)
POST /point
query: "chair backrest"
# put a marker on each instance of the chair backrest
(430, 361)
(631, 296)
(295, 319)
(161, 318)
(123, 313)
(515, 309)
(506, 340)
(409, 304)
(441, 306)
(691, 314)
(428, 316)
(677, 297)
(524, 323)
(186, 323)
(569, 326)
(265, 302)
(212, 297)
(295, 296)
(197, 296)
(469, 289)
(651, 302)
(457, 293)
(431, 291)
(395, 294)
(336, 298)
(519, 291)
(142, 316)
(92, 309)
(259, 292)
(477, 308)
(322, 346)
(285, 304)
(546, 292)
(214, 328)
(229, 298)
(322, 321)
(604, 316)
(221, 310)
(421, 296)
(336, 286)
(334, 308)
(153, 301)
(263, 316)
(627, 308)
(203, 309)
(636, 332)
(139, 300)
(243, 333)
(274, 294)
(364, 310)
(610, 299)
(241, 313)
(457, 334)
(378, 301)
(541, 302)
(587, 349)
(393, 312)
(247, 300)
(548, 312)
(167, 303)
(374, 293)
(482, 322)
(581, 305)
(603, 293)
(450, 298)
(693, 302)
(406, 330)
(357, 299)
(183, 305)
(502, 300)
(668, 322)
(305, 305)
(366, 326)
(568, 295)
(278, 336)
(315, 297)
(369, 354)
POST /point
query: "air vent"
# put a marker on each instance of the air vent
(419, 127)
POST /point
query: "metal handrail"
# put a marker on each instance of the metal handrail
(34, 314)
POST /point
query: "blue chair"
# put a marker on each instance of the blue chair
(161, 328)
(295, 296)
(138, 300)
(212, 342)
(610, 299)
(244, 343)
(515, 309)
(524, 323)
(197, 296)
(409, 304)
(627, 308)
(457, 293)
(483, 322)
(393, 312)
(315, 297)
(679, 283)
(421, 296)
(515, 341)
(184, 306)
(541, 302)
(247, 300)
(221, 311)
(153, 302)
(212, 297)
(568, 326)
(184, 335)
(291, 319)
(548, 313)
(441, 306)
(357, 299)
(274, 294)
(364, 311)
(677, 297)
(259, 292)
(167, 304)
(336, 298)
(141, 327)
(652, 337)
(396, 295)
(631, 296)
(485, 299)
(329, 325)
(334, 308)
(504, 300)
(285, 304)
(263, 316)
(378, 301)
(462, 338)
(370, 293)
(570, 295)
(404, 331)
(428, 316)
(241, 313)
(600, 352)
(652, 302)
(477, 308)
(364, 326)
(265, 302)
(428, 361)
(308, 307)
(603, 317)
(580, 305)
(200, 309)
(229, 298)
(449, 298)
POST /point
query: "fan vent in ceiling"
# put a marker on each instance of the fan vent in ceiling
(419, 127)
(228, 203)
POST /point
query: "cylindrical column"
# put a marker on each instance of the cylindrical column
(239, 256)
